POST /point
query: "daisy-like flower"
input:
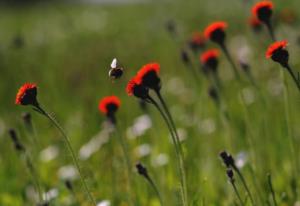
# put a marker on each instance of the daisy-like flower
(209, 59)
(278, 53)
(255, 24)
(134, 88)
(216, 32)
(197, 41)
(263, 11)
(27, 95)
(148, 76)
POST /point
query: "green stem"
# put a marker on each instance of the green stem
(179, 157)
(153, 185)
(244, 183)
(68, 143)
(229, 58)
(237, 192)
(128, 161)
(34, 175)
(271, 189)
(293, 76)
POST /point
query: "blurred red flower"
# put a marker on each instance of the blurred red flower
(275, 47)
(109, 105)
(136, 89)
(27, 94)
(213, 28)
(148, 76)
(263, 10)
(208, 55)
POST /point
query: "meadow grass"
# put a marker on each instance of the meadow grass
(67, 50)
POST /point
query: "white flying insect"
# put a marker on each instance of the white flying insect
(116, 70)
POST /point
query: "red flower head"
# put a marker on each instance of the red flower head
(209, 59)
(109, 105)
(263, 11)
(197, 41)
(27, 95)
(278, 53)
(216, 32)
(136, 89)
(148, 76)
(255, 23)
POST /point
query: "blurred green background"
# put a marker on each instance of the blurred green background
(67, 47)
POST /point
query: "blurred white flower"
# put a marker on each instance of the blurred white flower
(182, 133)
(50, 195)
(248, 96)
(160, 160)
(207, 126)
(67, 172)
(142, 150)
(140, 125)
(49, 153)
(104, 203)
(241, 159)
(94, 144)
(275, 87)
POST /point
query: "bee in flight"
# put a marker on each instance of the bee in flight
(116, 70)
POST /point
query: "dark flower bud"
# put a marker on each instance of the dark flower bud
(13, 135)
(141, 169)
(227, 159)
(185, 57)
(229, 173)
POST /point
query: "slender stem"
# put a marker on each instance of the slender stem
(270, 30)
(237, 192)
(229, 58)
(244, 184)
(153, 185)
(165, 107)
(293, 76)
(34, 175)
(179, 157)
(271, 189)
(289, 129)
(68, 143)
(127, 159)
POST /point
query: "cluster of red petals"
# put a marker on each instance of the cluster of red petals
(274, 47)
(106, 101)
(220, 25)
(261, 5)
(209, 54)
(254, 21)
(130, 86)
(22, 92)
(198, 38)
(145, 70)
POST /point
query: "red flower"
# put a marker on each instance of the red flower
(263, 10)
(278, 53)
(148, 76)
(273, 48)
(136, 89)
(27, 95)
(211, 54)
(109, 105)
(216, 31)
